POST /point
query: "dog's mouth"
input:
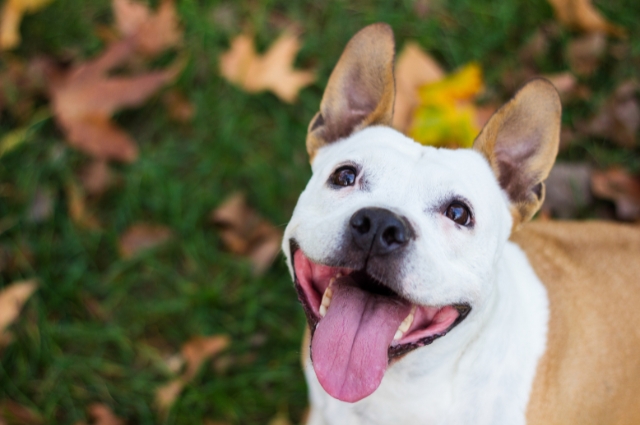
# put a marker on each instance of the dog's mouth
(359, 325)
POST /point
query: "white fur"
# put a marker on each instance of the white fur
(482, 371)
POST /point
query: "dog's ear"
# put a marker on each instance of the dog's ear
(520, 141)
(360, 91)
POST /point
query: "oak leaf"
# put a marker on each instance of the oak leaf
(241, 65)
(12, 298)
(152, 33)
(583, 16)
(12, 13)
(85, 97)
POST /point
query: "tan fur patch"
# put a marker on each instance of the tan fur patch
(590, 373)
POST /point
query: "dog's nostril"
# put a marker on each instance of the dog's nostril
(361, 223)
(393, 235)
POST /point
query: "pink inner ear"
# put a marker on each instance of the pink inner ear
(516, 178)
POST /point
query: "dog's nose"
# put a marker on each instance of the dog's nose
(379, 231)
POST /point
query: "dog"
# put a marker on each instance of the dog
(430, 296)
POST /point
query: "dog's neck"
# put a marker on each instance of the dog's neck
(474, 374)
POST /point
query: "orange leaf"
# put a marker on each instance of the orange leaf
(414, 68)
(12, 298)
(273, 71)
(141, 237)
(581, 15)
(153, 33)
(178, 106)
(85, 97)
(12, 14)
(246, 233)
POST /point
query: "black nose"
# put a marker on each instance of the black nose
(379, 231)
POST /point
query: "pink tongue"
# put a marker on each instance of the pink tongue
(349, 346)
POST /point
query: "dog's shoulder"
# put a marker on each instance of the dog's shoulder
(591, 368)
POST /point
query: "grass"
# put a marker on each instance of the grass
(67, 354)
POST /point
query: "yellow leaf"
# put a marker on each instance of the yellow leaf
(12, 14)
(446, 116)
(12, 298)
(272, 71)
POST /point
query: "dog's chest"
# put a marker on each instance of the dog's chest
(481, 373)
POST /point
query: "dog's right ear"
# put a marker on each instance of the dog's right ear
(360, 91)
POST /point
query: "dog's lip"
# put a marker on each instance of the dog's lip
(430, 323)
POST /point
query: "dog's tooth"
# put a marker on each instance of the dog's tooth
(326, 299)
(408, 321)
(399, 334)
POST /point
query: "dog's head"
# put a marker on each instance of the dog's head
(392, 244)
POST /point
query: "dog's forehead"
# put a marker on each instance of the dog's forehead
(388, 156)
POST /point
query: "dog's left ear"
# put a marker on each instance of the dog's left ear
(520, 141)
(360, 91)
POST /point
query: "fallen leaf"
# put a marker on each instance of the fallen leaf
(446, 115)
(194, 352)
(178, 106)
(152, 33)
(77, 207)
(12, 298)
(583, 16)
(197, 350)
(273, 71)
(103, 415)
(12, 13)
(12, 413)
(41, 206)
(568, 190)
(141, 237)
(622, 188)
(619, 117)
(244, 232)
(96, 177)
(585, 53)
(85, 97)
(414, 68)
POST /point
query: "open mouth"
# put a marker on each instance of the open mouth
(359, 325)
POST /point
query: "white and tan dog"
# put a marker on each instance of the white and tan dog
(429, 300)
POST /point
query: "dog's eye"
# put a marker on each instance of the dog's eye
(459, 213)
(344, 176)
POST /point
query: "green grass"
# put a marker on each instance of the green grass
(65, 355)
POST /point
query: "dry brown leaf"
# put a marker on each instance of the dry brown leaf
(414, 68)
(622, 188)
(85, 97)
(12, 413)
(153, 33)
(199, 349)
(585, 53)
(12, 298)
(178, 106)
(244, 232)
(142, 236)
(618, 118)
(77, 207)
(195, 352)
(583, 16)
(96, 177)
(273, 71)
(12, 13)
(103, 415)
